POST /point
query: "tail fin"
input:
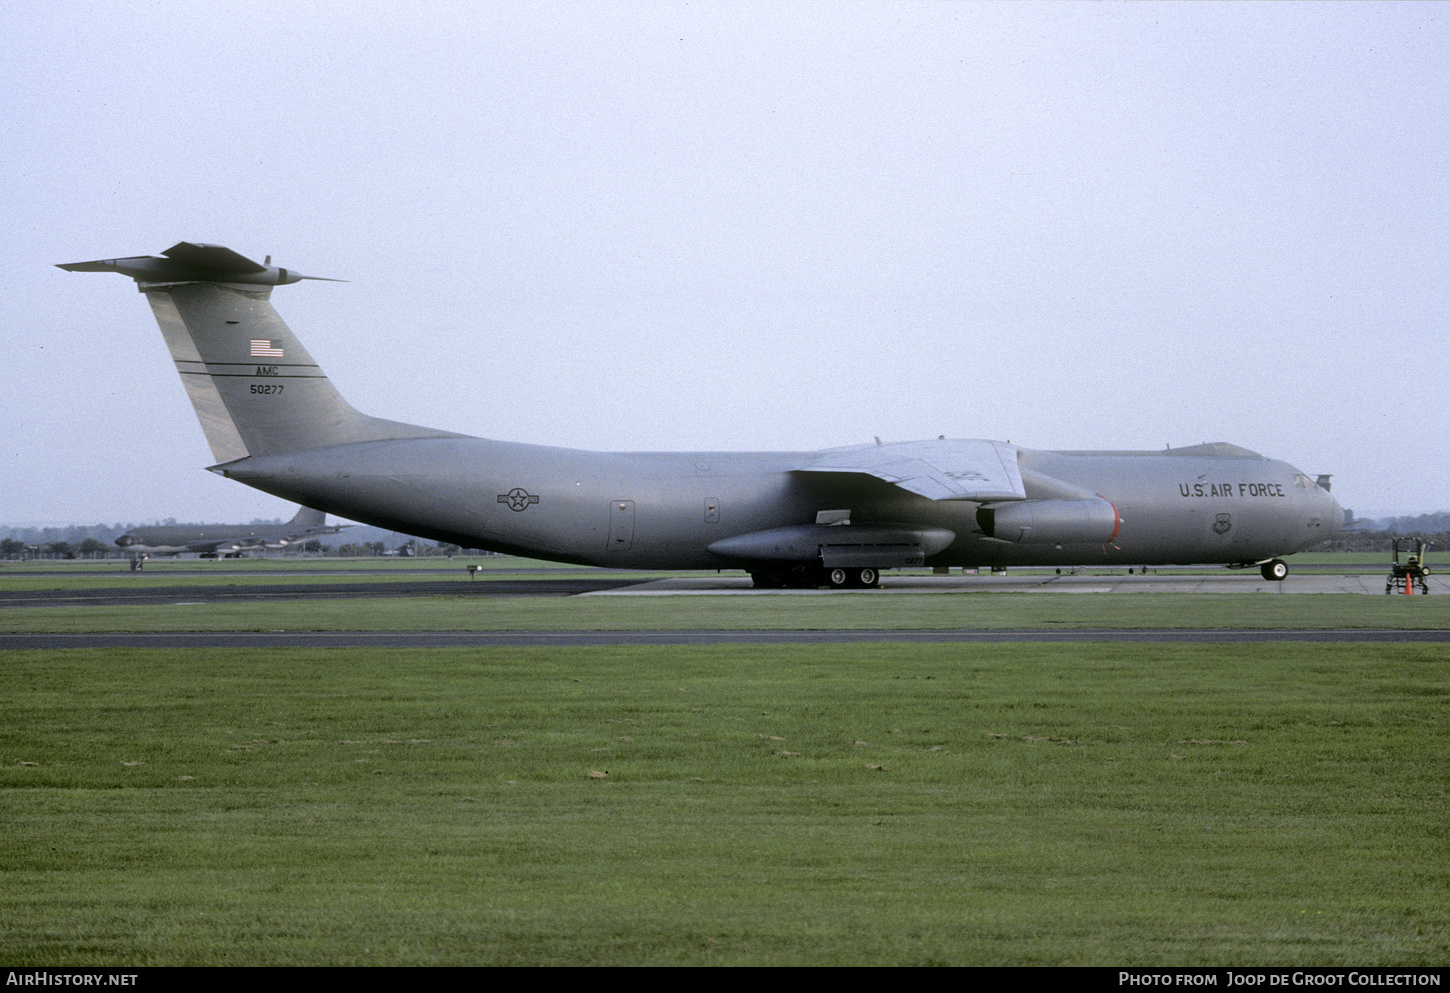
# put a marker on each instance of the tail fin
(255, 389)
(307, 519)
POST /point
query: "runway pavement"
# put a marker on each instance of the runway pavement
(581, 639)
(1223, 581)
(161, 589)
(141, 594)
(601, 583)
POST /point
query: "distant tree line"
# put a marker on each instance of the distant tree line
(76, 541)
(98, 541)
(1434, 528)
(1424, 525)
(1379, 541)
(87, 548)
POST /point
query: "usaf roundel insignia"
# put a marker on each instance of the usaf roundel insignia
(518, 498)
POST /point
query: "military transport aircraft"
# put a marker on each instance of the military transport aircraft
(835, 517)
(212, 540)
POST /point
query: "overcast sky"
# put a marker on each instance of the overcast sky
(741, 226)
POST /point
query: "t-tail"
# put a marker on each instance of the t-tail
(255, 389)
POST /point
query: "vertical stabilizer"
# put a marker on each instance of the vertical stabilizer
(255, 389)
(307, 519)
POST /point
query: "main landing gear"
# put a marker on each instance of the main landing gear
(858, 579)
(804, 577)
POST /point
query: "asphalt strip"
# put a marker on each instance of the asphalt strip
(524, 639)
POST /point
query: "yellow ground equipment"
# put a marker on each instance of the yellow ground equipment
(1405, 576)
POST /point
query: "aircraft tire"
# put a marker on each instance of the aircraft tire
(868, 579)
(769, 579)
(838, 579)
(1274, 570)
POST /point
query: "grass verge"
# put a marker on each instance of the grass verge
(1277, 804)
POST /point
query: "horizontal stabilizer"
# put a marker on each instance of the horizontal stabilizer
(215, 258)
(194, 262)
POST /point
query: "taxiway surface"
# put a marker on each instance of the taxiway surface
(156, 590)
(585, 639)
(160, 589)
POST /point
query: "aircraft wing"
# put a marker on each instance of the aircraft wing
(945, 469)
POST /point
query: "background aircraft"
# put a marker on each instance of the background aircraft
(275, 422)
(224, 539)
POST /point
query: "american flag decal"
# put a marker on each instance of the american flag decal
(262, 349)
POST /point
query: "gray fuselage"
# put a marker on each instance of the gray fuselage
(663, 510)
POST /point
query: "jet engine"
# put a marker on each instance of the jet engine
(1050, 522)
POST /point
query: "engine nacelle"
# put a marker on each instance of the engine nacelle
(1051, 522)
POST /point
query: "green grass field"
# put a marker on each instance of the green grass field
(1275, 804)
(1098, 804)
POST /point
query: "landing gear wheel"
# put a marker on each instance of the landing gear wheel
(838, 578)
(1274, 570)
(868, 579)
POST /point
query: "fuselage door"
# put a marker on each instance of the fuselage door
(621, 525)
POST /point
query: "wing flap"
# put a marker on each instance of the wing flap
(956, 469)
